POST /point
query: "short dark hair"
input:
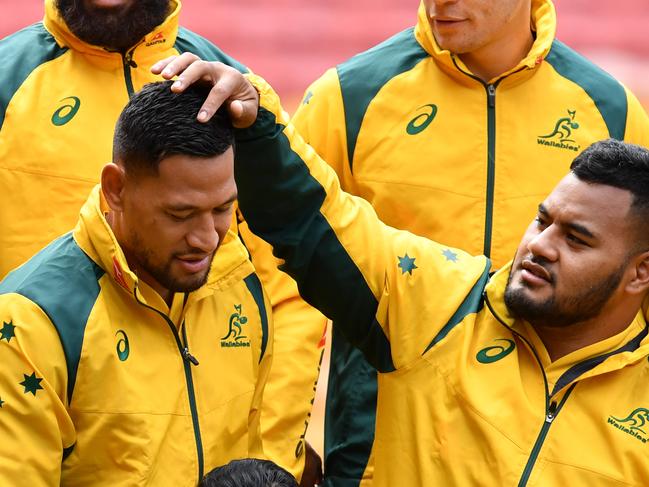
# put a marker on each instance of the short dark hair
(249, 472)
(157, 123)
(621, 165)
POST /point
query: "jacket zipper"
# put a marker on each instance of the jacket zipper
(551, 407)
(550, 415)
(491, 166)
(128, 63)
(491, 152)
(188, 361)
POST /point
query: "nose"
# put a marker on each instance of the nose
(203, 235)
(543, 244)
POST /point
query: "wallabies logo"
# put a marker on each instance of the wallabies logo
(562, 134)
(235, 336)
(633, 424)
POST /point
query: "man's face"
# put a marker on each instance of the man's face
(173, 223)
(465, 26)
(113, 24)
(574, 255)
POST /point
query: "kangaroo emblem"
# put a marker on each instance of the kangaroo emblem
(236, 320)
(636, 420)
(564, 128)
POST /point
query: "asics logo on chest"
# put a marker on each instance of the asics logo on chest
(67, 111)
(421, 121)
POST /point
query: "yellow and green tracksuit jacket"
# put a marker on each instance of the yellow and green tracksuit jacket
(467, 396)
(440, 153)
(103, 384)
(59, 101)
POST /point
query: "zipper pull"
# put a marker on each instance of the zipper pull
(491, 95)
(128, 60)
(189, 357)
(552, 413)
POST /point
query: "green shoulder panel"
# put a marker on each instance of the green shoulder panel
(188, 41)
(254, 286)
(21, 54)
(606, 92)
(308, 245)
(365, 74)
(64, 282)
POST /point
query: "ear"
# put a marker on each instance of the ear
(639, 282)
(113, 182)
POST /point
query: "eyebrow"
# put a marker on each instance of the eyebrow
(581, 229)
(187, 207)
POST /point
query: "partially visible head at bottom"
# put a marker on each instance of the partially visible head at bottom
(249, 472)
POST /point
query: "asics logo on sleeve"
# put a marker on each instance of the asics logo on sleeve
(418, 124)
(66, 112)
(495, 353)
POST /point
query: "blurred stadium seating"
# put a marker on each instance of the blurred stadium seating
(291, 42)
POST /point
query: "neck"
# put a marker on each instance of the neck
(562, 340)
(502, 54)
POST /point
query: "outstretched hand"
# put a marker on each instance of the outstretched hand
(229, 87)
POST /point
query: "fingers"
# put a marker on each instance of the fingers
(225, 88)
(198, 70)
(243, 113)
(174, 65)
(228, 86)
(162, 64)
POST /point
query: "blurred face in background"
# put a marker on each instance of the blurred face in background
(467, 26)
(113, 24)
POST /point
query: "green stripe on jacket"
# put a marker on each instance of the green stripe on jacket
(606, 92)
(21, 54)
(302, 237)
(363, 76)
(64, 282)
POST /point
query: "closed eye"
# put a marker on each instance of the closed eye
(223, 208)
(576, 240)
(179, 217)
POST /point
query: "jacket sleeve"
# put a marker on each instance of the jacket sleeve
(320, 121)
(637, 122)
(35, 428)
(297, 349)
(391, 292)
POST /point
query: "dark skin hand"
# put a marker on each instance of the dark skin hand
(229, 87)
(312, 475)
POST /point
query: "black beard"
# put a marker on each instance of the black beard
(585, 304)
(113, 28)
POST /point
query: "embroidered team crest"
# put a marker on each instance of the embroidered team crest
(562, 136)
(236, 336)
(634, 424)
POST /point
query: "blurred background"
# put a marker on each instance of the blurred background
(292, 42)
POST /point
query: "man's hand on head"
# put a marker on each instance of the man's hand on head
(229, 86)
